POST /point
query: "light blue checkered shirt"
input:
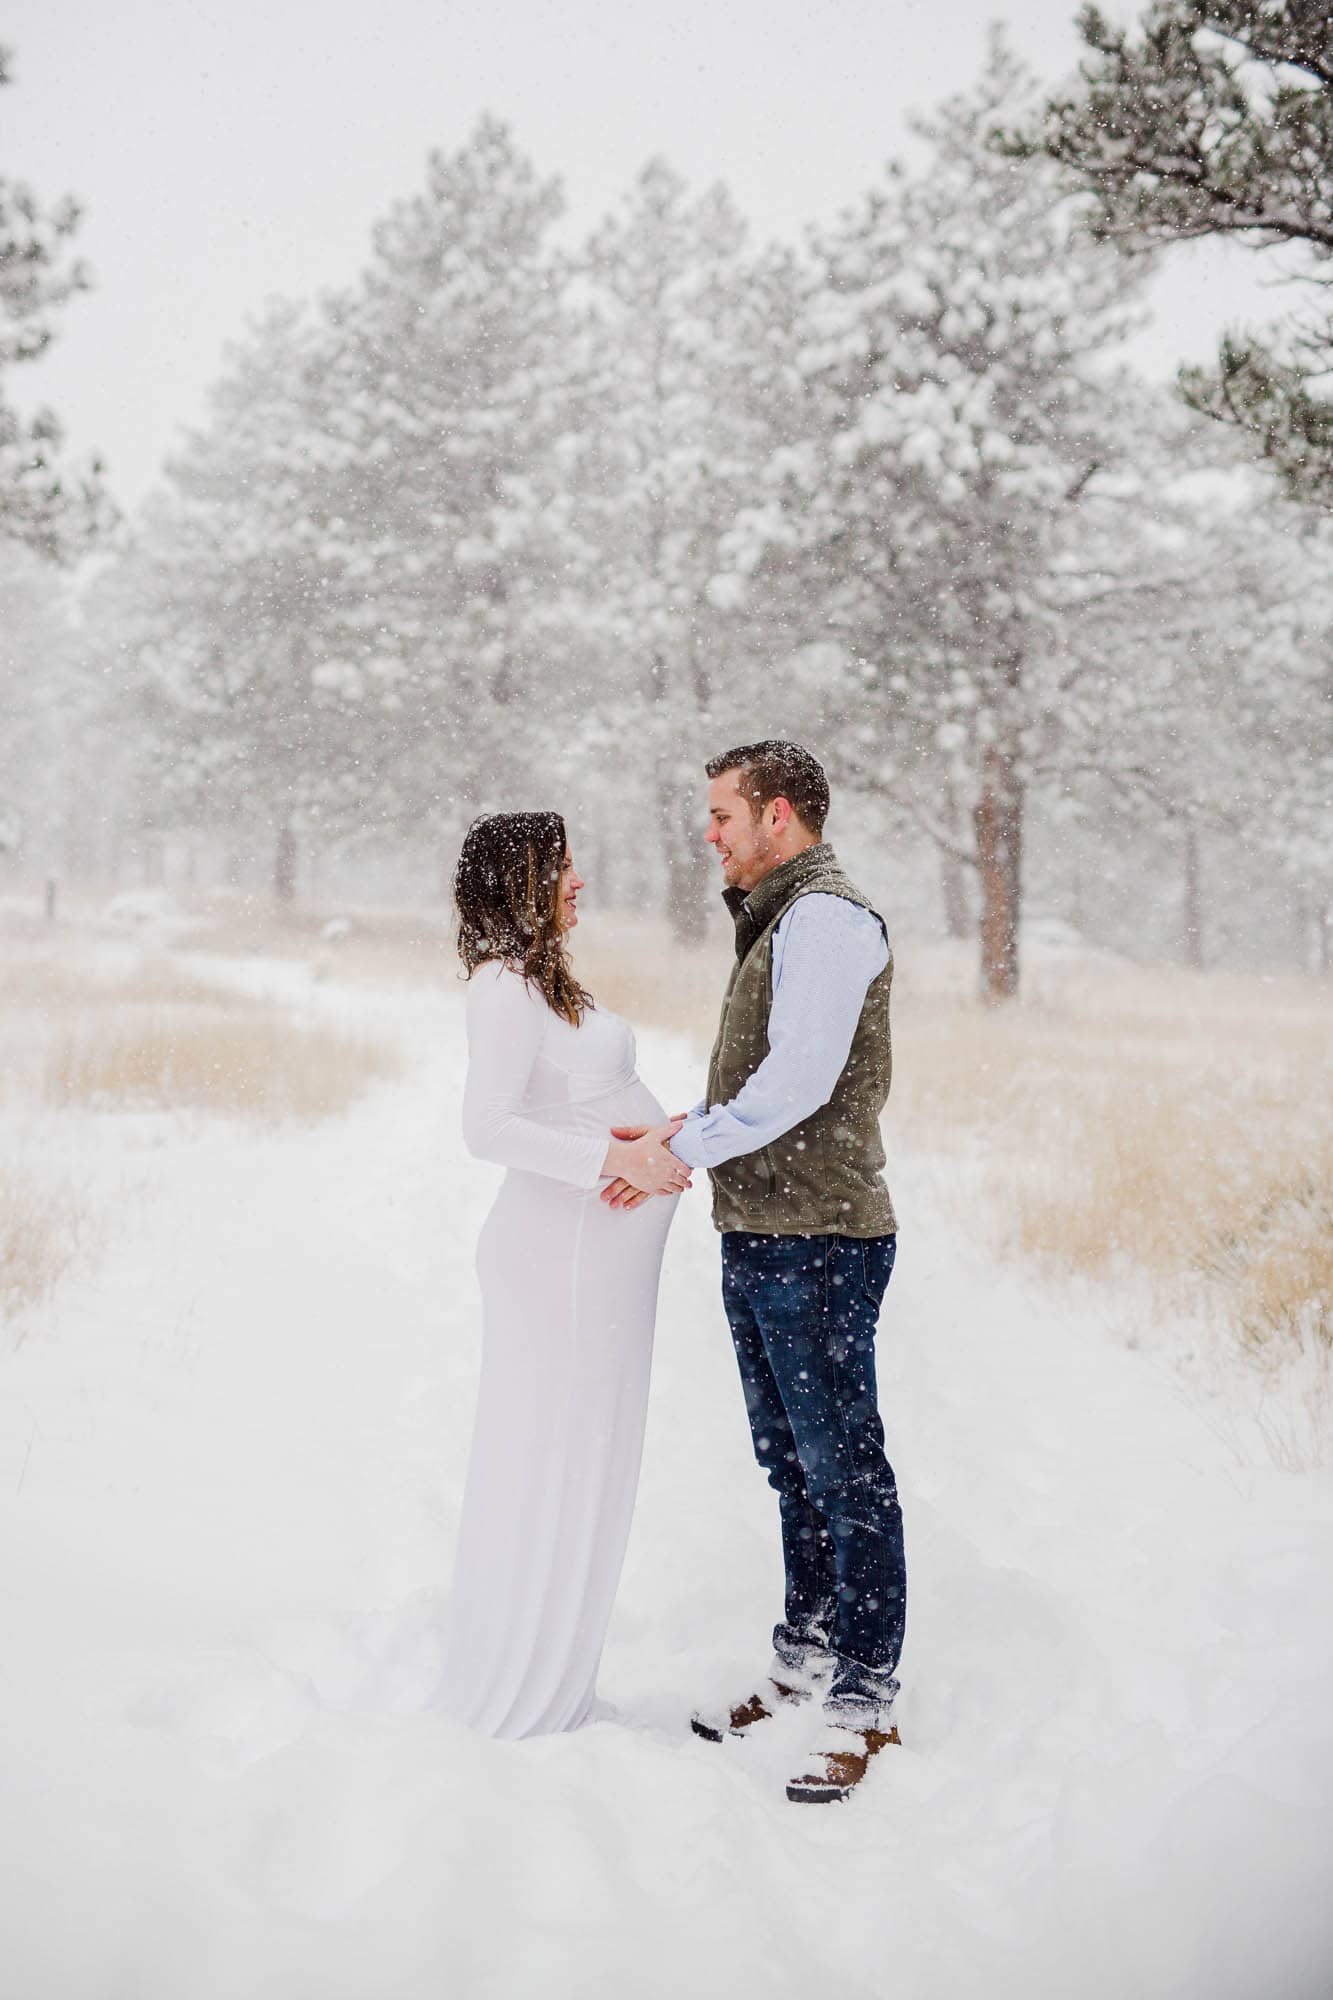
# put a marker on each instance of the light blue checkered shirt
(826, 951)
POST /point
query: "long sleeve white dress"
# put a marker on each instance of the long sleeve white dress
(569, 1300)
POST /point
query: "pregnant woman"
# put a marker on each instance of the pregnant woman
(569, 1293)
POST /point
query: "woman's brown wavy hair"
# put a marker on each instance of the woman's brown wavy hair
(507, 893)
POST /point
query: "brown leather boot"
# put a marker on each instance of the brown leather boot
(839, 1762)
(745, 1714)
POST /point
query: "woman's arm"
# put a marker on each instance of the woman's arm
(505, 1024)
(506, 1019)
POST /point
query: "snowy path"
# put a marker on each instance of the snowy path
(231, 1467)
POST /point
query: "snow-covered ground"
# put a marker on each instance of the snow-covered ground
(231, 1453)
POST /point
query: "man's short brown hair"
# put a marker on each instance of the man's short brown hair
(777, 770)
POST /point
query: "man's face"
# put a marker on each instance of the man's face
(742, 837)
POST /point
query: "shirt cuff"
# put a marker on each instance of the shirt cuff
(688, 1142)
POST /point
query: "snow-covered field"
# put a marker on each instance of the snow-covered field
(231, 1452)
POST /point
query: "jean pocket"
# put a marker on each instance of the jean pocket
(877, 1254)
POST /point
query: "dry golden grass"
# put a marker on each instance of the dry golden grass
(133, 1029)
(1177, 1124)
(38, 1239)
(381, 947)
(255, 1065)
(1174, 1123)
(631, 965)
(128, 1030)
(51, 983)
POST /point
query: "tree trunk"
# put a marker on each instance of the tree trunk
(606, 883)
(1192, 913)
(953, 882)
(953, 872)
(1075, 917)
(686, 861)
(284, 866)
(687, 892)
(998, 819)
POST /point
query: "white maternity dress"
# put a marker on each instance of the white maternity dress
(569, 1298)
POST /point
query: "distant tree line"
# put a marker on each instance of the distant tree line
(507, 522)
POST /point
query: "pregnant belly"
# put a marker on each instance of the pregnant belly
(634, 1105)
(535, 1211)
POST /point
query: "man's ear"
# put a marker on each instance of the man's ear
(781, 809)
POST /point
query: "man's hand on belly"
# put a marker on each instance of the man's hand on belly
(618, 1193)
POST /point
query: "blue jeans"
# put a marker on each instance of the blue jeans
(803, 1311)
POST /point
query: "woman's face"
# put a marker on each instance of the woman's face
(567, 900)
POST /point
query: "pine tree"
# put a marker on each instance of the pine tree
(959, 429)
(1215, 118)
(35, 649)
(685, 392)
(335, 607)
(1280, 655)
(220, 612)
(440, 512)
(54, 511)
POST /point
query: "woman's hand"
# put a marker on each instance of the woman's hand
(641, 1163)
(619, 1194)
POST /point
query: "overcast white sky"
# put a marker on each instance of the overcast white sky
(224, 152)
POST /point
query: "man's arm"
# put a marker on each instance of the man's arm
(826, 951)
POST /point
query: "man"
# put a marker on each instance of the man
(789, 1134)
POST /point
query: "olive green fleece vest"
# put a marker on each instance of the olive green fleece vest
(823, 1177)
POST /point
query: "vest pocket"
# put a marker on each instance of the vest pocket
(769, 1165)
